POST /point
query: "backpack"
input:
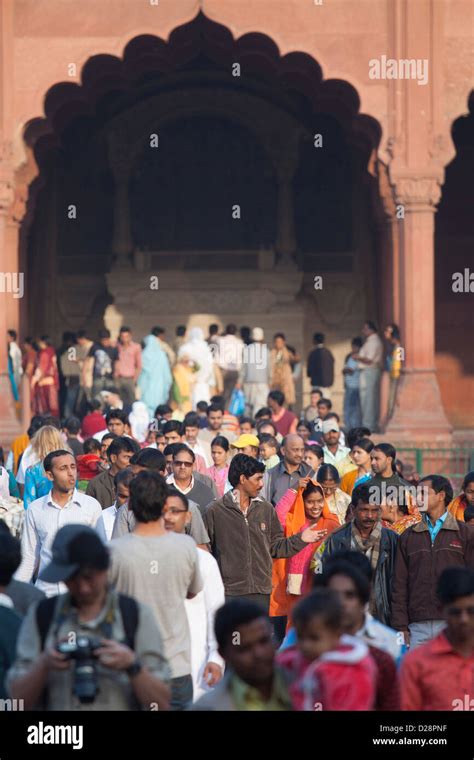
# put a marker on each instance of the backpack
(128, 610)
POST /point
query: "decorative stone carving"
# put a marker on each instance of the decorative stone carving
(418, 190)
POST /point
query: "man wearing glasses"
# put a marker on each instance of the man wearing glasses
(182, 478)
(439, 675)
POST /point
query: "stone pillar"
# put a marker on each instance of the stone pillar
(10, 426)
(419, 413)
(286, 237)
(119, 161)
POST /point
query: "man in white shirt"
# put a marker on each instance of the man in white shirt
(333, 450)
(370, 359)
(207, 666)
(229, 358)
(46, 515)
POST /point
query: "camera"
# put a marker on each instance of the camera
(82, 651)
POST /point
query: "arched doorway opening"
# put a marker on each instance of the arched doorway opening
(232, 185)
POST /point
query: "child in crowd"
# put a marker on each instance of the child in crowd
(313, 455)
(247, 425)
(268, 450)
(328, 670)
(88, 463)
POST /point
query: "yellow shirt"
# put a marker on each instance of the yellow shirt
(246, 698)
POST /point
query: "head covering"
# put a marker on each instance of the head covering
(139, 420)
(257, 333)
(198, 351)
(328, 425)
(75, 547)
(246, 439)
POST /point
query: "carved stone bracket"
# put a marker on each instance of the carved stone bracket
(418, 192)
(7, 183)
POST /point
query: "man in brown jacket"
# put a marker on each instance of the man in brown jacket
(246, 535)
(119, 453)
(424, 551)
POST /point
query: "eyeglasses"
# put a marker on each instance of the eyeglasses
(174, 511)
(457, 611)
(179, 463)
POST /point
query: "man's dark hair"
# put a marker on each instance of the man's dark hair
(173, 425)
(192, 420)
(279, 335)
(48, 419)
(264, 412)
(333, 416)
(321, 603)
(172, 491)
(357, 341)
(151, 459)
(94, 405)
(242, 420)
(148, 492)
(162, 409)
(125, 329)
(325, 402)
(242, 464)
(365, 444)
(468, 513)
(318, 338)
(104, 334)
(82, 334)
(213, 329)
(439, 484)
(202, 406)
(222, 441)
(231, 329)
(277, 396)
(355, 434)
(157, 331)
(388, 450)
(49, 458)
(182, 447)
(371, 325)
(117, 414)
(214, 408)
(35, 424)
(180, 331)
(361, 493)
(328, 472)
(108, 435)
(231, 616)
(303, 423)
(124, 477)
(122, 443)
(72, 425)
(170, 449)
(334, 567)
(91, 445)
(454, 583)
(12, 334)
(88, 552)
(394, 330)
(263, 423)
(10, 557)
(357, 559)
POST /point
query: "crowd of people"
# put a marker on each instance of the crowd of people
(180, 539)
(192, 369)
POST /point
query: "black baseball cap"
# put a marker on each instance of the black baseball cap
(75, 547)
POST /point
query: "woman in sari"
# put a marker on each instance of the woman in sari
(360, 455)
(465, 498)
(297, 510)
(183, 379)
(337, 500)
(45, 380)
(155, 378)
(281, 377)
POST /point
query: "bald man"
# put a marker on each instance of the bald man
(288, 473)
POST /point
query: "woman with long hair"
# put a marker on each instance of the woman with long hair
(45, 380)
(360, 455)
(44, 441)
(465, 499)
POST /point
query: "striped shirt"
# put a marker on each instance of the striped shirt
(43, 519)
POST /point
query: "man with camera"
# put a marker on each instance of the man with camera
(91, 648)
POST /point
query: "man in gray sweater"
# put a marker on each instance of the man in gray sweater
(254, 375)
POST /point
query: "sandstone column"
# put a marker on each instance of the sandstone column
(420, 413)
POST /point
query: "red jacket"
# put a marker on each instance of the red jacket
(92, 423)
(343, 679)
(87, 466)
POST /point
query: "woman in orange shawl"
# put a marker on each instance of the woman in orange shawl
(360, 455)
(465, 498)
(297, 510)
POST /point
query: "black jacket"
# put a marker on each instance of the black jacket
(382, 580)
(321, 367)
(244, 546)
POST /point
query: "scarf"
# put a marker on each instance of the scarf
(364, 545)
